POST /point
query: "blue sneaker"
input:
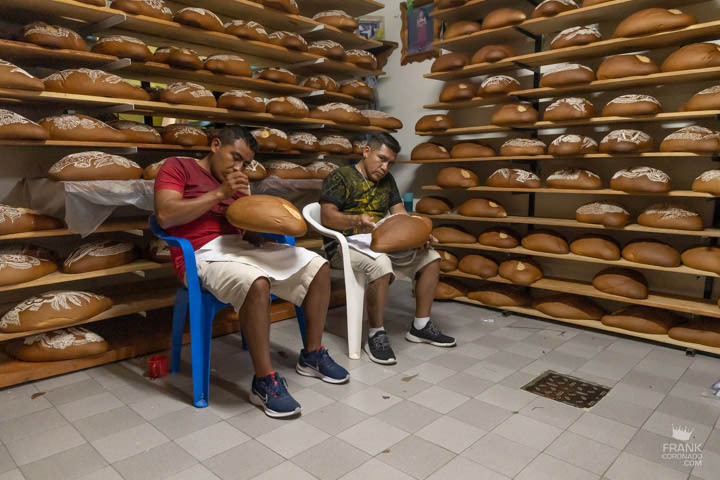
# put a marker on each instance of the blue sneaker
(319, 364)
(270, 392)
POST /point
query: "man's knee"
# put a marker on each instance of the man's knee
(260, 289)
(382, 279)
(432, 267)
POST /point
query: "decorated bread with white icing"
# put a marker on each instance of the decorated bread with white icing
(81, 128)
(188, 93)
(53, 36)
(271, 139)
(338, 19)
(320, 169)
(570, 108)
(306, 142)
(563, 74)
(244, 100)
(671, 216)
(14, 126)
(575, 36)
(53, 309)
(574, 178)
(21, 220)
(571, 144)
(335, 144)
(228, 65)
(522, 146)
(707, 182)
(137, 132)
(691, 139)
(200, 18)
(288, 106)
(513, 178)
(632, 104)
(150, 8)
(58, 345)
(247, 29)
(20, 266)
(100, 255)
(626, 141)
(86, 166)
(641, 180)
(85, 81)
(340, 113)
(12, 76)
(122, 46)
(186, 135)
(607, 213)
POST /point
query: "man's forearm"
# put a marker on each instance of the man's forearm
(340, 221)
(181, 211)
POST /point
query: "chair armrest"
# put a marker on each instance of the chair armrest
(187, 250)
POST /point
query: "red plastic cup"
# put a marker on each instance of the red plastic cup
(157, 366)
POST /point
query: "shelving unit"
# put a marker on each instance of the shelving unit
(537, 158)
(570, 191)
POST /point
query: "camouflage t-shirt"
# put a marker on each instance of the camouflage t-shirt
(346, 188)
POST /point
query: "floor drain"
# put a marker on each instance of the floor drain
(566, 389)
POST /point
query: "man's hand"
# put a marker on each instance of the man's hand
(364, 223)
(255, 238)
(235, 181)
(431, 241)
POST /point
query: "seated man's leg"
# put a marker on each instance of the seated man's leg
(248, 290)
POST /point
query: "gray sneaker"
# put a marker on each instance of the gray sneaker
(379, 350)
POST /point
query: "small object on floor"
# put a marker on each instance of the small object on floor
(157, 366)
(379, 350)
(270, 392)
(320, 364)
(566, 389)
(429, 334)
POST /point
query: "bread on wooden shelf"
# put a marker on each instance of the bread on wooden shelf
(85, 81)
(200, 18)
(180, 57)
(448, 288)
(641, 180)
(335, 144)
(498, 84)
(492, 54)
(53, 310)
(340, 113)
(523, 146)
(642, 319)
(188, 93)
(448, 261)
(499, 237)
(320, 169)
(20, 266)
(338, 19)
(479, 265)
(630, 105)
(707, 99)
(702, 331)
(53, 36)
(229, 65)
(481, 207)
(321, 82)
(607, 213)
(704, 257)
(400, 232)
(623, 282)
(596, 246)
(58, 345)
(651, 252)
(271, 139)
(691, 139)
(653, 20)
(80, 128)
(149, 8)
(255, 171)
(691, 57)
(503, 17)
(433, 205)
(287, 6)
(14, 126)
(501, 296)
(97, 3)
(21, 220)
(550, 8)
(305, 142)
(458, 91)
(626, 65)
(243, 100)
(545, 240)
(592, 3)
(452, 234)
(277, 75)
(567, 305)
(93, 165)
(382, 119)
(450, 61)
(576, 36)
(434, 123)
(564, 74)
(571, 144)
(327, 48)
(513, 178)
(429, 151)
(574, 178)
(361, 58)
(186, 135)
(100, 255)
(289, 40)
(12, 76)
(515, 113)
(266, 213)
(471, 150)
(287, 170)
(358, 89)
(247, 29)
(707, 182)
(359, 146)
(570, 108)
(288, 106)
(456, 177)
(672, 216)
(460, 28)
(626, 141)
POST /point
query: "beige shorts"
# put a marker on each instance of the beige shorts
(375, 268)
(231, 281)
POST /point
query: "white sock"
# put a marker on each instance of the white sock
(373, 331)
(419, 323)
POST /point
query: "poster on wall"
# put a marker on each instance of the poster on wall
(419, 31)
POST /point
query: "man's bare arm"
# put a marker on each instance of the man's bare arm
(398, 208)
(333, 218)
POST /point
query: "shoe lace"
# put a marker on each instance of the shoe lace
(381, 342)
(277, 386)
(434, 331)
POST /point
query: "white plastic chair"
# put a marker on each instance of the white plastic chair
(354, 281)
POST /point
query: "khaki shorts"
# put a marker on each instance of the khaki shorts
(231, 281)
(375, 268)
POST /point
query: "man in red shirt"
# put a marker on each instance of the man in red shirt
(191, 197)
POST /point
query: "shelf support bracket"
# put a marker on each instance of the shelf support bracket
(528, 34)
(117, 65)
(103, 24)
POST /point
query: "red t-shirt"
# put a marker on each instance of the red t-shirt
(186, 176)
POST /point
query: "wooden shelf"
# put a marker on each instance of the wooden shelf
(597, 326)
(59, 277)
(579, 258)
(179, 111)
(570, 191)
(112, 225)
(100, 145)
(597, 49)
(677, 303)
(473, 9)
(660, 117)
(568, 223)
(591, 156)
(475, 102)
(355, 8)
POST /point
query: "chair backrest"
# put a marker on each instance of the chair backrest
(313, 214)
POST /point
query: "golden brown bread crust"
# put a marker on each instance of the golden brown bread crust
(565, 305)
(266, 214)
(639, 318)
(399, 233)
(623, 282)
(653, 20)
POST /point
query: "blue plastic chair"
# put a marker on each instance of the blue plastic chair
(202, 306)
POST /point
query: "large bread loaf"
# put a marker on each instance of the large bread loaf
(244, 100)
(186, 135)
(53, 36)
(429, 151)
(448, 288)
(338, 19)
(21, 220)
(622, 282)
(563, 74)
(481, 207)
(479, 265)
(58, 345)
(340, 113)
(576, 36)
(136, 132)
(570, 108)
(433, 205)
(401, 232)
(501, 296)
(93, 256)
(123, 46)
(690, 57)
(522, 147)
(550, 8)
(247, 29)
(471, 150)
(84, 81)
(12, 76)
(287, 170)
(335, 144)
(200, 18)
(571, 144)
(228, 65)
(94, 166)
(653, 20)
(638, 318)
(452, 234)
(19, 266)
(14, 126)
(499, 237)
(81, 128)
(513, 178)
(53, 310)
(329, 49)
(641, 180)
(566, 305)
(627, 65)
(626, 141)
(188, 93)
(703, 331)
(271, 139)
(543, 240)
(521, 271)
(596, 246)
(288, 106)
(266, 214)
(448, 261)
(180, 57)
(574, 178)
(149, 8)
(651, 252)
(456, 177)
(675, 217)
(607, 213)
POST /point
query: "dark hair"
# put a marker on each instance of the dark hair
(377, 140)
(230, 134)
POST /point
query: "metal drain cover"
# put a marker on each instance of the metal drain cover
(566, 389)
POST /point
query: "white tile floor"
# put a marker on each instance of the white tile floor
(438, 414)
